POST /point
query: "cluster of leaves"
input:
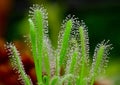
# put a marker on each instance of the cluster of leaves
(69, 64)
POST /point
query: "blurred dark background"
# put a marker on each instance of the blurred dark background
(102, 18)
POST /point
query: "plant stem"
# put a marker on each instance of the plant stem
(33, 41)
(39, 37)
(99, 56)
(73, 62)
(20, 68)
(65, 41)
(83, 54)
(47, 66)
(54, 80)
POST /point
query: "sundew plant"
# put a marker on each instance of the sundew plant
(69, 64)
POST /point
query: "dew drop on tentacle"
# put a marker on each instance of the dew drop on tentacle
(15, 60)
(75, 25)
(104, 60)
(44, 13)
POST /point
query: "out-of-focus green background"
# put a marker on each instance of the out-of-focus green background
(102, 18)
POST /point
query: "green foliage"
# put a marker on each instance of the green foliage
(17, 64)
(70, 60)
(65, 41)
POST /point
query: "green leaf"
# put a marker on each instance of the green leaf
(65, 41)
